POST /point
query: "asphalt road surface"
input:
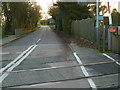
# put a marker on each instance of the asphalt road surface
(43, 60)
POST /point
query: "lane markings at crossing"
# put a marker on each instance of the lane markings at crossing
(17, 61)
(4, 53)
(11, 63)
(111, 58)
(38, 41)
(16, 64)
(90, 81)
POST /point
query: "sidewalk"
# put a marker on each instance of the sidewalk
(90, 55)
(84, 47)
(11, 38)
(7, 39)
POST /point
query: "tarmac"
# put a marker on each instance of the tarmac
(54, 65)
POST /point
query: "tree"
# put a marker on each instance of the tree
(8, 17)
(102, 8)
(66, 12)
(114, 10)
(115, 17)
(20, 15)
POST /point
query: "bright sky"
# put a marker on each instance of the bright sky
(45, 4)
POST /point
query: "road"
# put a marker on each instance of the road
(43, 60)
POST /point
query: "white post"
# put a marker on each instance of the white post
(109, 33)
(110, 17)
(97, 13)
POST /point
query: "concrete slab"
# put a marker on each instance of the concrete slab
(110, 81)
(83, 50)
(87, 59)
(35, 77)
(65, 64)
(82, 83)
(34, 63)
(103, 69)
(71, 72)
(46, 65)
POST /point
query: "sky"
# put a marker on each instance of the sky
(45, 4)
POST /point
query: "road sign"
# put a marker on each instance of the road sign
(100, 17)
(112, 29)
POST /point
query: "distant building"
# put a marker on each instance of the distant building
(51, 21)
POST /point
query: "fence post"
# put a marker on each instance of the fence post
(104, 38)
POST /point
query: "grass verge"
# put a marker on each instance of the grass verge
(52, 26)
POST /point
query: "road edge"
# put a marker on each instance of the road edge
(17, 38)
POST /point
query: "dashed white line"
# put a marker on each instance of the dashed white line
(18, 52)
(91, 82)
(2, 53)
(111, 58)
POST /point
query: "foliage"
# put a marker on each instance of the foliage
(115, 17)
(102, 8)
(20, 15)
(52, 26)
(66, 12)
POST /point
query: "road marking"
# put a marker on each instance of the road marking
(2, 53)
(18, 52)
(17, 61)
(38, 41)
(16, 64)
(111, 58)
(11, 63)
(20, 56)
(92, 84)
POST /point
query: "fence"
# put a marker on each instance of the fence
(84, 29)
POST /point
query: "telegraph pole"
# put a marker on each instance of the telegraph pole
(97, 24)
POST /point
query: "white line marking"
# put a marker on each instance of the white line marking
(2, 53)
(16, 64)
(18, 52)
(38, 41)
(111, 58)
(92, 84)
(11, 63)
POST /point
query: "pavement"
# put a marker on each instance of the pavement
(7, 39)
(11, 38)
(43, 60)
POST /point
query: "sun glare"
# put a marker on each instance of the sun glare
(45, 4)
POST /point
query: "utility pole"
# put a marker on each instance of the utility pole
(97, 24)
